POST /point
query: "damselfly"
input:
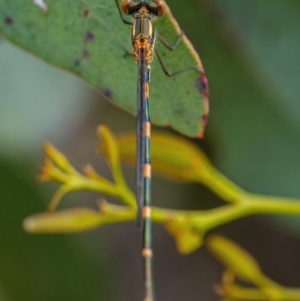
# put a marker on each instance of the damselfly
(143, 37)
(92, 53)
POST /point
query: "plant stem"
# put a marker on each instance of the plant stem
(220, 185)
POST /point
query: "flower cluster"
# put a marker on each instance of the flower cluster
(179, 160)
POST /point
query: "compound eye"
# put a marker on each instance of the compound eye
(162, 7)
(125, 6)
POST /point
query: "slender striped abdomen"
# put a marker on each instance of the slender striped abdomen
(147, 236)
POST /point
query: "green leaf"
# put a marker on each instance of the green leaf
(90, 40)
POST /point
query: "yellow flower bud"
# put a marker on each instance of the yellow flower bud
(64, 221)
(236, 259)
(58, 158)
(171, 156)
(187, 239)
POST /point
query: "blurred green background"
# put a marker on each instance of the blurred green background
(250, 51)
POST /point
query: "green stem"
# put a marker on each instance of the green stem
(122, 193)
(220, 185)
(206, 220)
(209, 219)
(260, 204)
(250, 204)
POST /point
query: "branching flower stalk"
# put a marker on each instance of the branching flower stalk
(172, 157)
(179, 160)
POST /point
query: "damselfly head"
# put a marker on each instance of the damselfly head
(155, 7)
